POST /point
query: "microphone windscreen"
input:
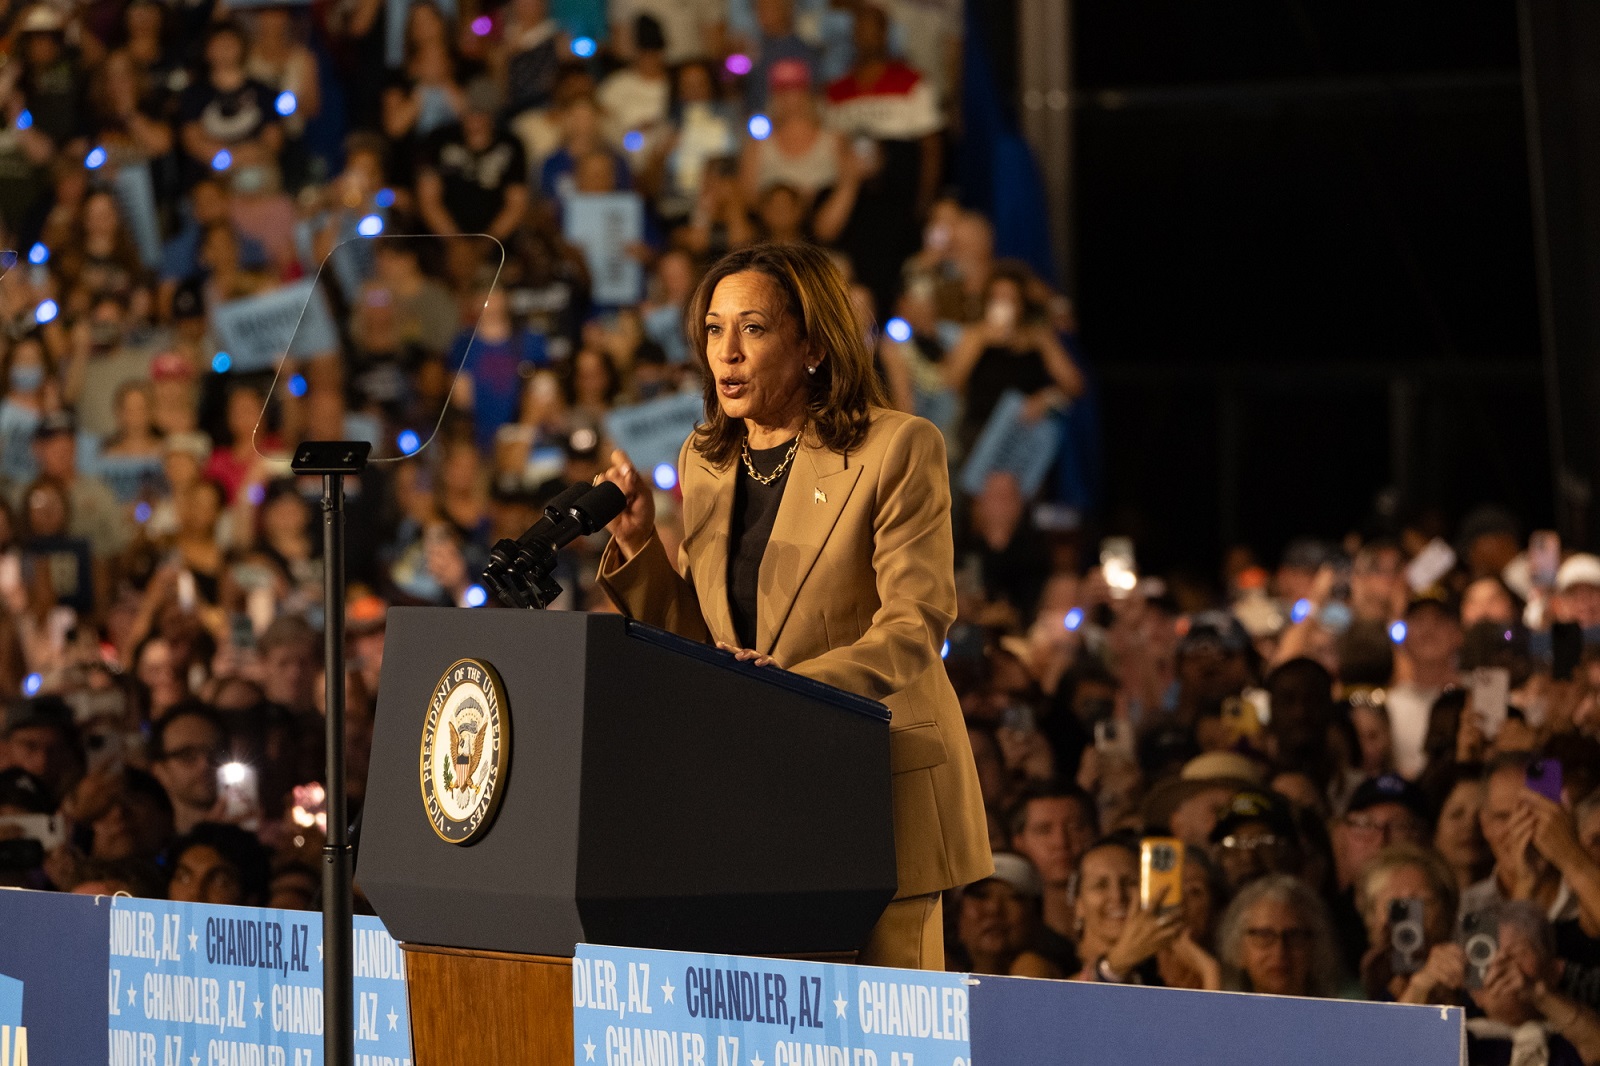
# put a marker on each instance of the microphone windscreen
(601, 504)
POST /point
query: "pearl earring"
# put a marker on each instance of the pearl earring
(811, 370)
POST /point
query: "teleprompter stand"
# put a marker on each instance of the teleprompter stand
(335, 460)
(657, 793)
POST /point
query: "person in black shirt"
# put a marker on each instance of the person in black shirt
(228, 110)
(474, 178)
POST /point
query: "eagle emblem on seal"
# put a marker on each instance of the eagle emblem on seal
(465, 742)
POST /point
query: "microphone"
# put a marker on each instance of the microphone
(519, 570)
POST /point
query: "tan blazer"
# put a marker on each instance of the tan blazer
(857, 589)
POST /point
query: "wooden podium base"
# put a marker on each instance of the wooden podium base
(469, 1008)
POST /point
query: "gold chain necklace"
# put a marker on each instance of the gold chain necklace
(768, 479)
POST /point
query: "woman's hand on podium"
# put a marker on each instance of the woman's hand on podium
(746, 655)
(633, 527)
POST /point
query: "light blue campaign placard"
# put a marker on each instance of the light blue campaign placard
(652, 433)
(129, 476)
(256, 331)
(193, 983)
(136, 194)
(604, 225)
(10, 1002)
(1010, 445)
(633, 1006)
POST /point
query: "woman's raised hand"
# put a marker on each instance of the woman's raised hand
(632, 528)
(1145, 931)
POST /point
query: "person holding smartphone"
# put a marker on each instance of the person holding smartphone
(1012, 348)
(1120, 937)
(1434, 964)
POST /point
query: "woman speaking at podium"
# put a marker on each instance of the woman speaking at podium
(818, 538)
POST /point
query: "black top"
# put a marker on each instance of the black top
(1000, 368)
(755, 507)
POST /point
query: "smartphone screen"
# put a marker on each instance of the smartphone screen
(1544, 558)
(1431, 564)
(239, 789)
(1113, 738)
(1544, 777)
(1160, 872)
(1491, 689)
(1118, 566)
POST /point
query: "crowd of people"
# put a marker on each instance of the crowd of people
(1376, 757)
(1379, 761)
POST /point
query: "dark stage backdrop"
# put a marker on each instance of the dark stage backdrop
(1306, 262)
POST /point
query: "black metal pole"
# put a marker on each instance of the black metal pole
(338, 867)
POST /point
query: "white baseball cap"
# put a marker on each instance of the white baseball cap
(1579, 569)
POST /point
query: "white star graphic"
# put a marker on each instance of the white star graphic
(667, 990)
(131, 994)
(194, 939)
(755, 1060)
(194, 1060)
(393, 1018)
(319, 951)
(840, 1004)
(588, 1050)
(258, 1006)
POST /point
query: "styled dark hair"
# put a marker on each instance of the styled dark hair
(238, 848)
(1049, 790)
(845, 388)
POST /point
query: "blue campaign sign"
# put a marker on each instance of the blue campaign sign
(652, 432)
(633, 1006)
(1010, 445)
(1017, 1021)
(194, 983)
(603, 225)
(256, 331)
(53, 962)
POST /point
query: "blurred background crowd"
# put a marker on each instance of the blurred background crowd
(1375, 753)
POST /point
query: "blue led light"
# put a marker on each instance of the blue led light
(257, 494)
(222, 362)
(665, 476)
(31, 684)
(760, 127)
(633, 140)
(297, 385)
(95, 159)
(25, 120)
(1073, 620)
(142, 512)
(385, 198)
(475, 596)
(286, 103)
(898, 329)
(370, 226)
(944, 652)
(38, 255)
(1300, 611)
(1397, 632)
(408, 441)
(583, 47)
(46, 312)
(222, 160)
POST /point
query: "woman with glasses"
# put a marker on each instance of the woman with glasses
(1276, 939)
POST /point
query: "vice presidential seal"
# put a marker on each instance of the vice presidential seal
(465, 741)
